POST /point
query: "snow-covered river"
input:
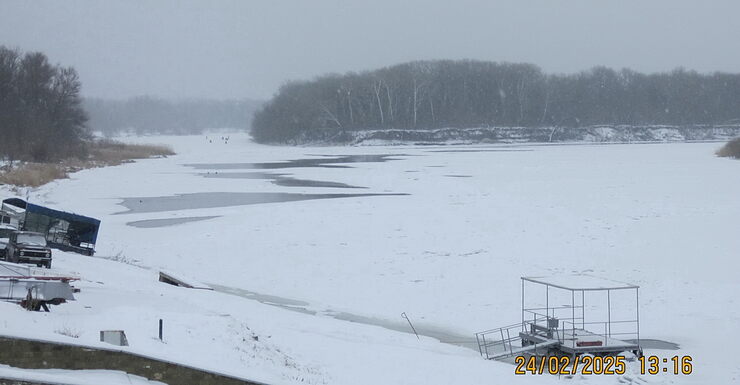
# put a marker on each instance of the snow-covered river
(442, 234)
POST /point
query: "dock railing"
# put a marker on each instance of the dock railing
(500, 342)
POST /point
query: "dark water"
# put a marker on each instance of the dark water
(648, 343)
(458, 176)
(242, 175)
(293, 182)
(278, 179)
(164, 222)
(327, 162)
(400, 325)
(484, 150)
(205, 200)
(282, 302)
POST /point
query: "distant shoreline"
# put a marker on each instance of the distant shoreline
(487, 135)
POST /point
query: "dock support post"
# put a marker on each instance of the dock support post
(485, 346)
(503, 341)
(547, 303)
(477, 339)
(508, 337)
(523, 328)
(637, 294)
(572, 310)
(609, 311)
(583, 310)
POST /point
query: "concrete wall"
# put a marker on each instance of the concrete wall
(4, 381)
(30, 354)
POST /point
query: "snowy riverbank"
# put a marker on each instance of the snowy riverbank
(449, 254)
(478, 135)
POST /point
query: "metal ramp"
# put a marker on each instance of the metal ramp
(508, 341)
(535, 349)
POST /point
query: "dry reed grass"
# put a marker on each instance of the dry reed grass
(100, 153)
(731, 149)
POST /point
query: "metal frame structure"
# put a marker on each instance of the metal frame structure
(63, 230)
(564, 328)
(19, 285)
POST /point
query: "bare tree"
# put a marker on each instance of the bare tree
(41, 117)
(377, 85)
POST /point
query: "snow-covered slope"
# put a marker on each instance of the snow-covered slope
(449, 254)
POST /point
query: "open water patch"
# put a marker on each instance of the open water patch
(485, 150)
(279, 179)
(205, 200)
(165, 222)
(267, 299)
(329, 161)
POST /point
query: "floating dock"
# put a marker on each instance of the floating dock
(550, 328)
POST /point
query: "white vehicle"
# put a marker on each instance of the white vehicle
(5, 231)
(11, 215)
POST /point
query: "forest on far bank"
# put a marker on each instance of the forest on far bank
(426, 95)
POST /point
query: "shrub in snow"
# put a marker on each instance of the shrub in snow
(731, 149)
(68, 331)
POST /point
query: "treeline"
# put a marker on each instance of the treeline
(41, 117)
(145, 115)
(462, 94)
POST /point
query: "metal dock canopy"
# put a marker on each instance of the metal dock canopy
(569, 314)
(580, 282)
(63, 230)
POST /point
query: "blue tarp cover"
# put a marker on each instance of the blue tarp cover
(89, 233)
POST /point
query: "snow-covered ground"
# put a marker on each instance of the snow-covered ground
(449, 254)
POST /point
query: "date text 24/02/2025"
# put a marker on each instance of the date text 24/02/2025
(597, 365)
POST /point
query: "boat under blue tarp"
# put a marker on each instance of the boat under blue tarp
(63, 230)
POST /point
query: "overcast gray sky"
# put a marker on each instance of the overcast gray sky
(235, 49)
